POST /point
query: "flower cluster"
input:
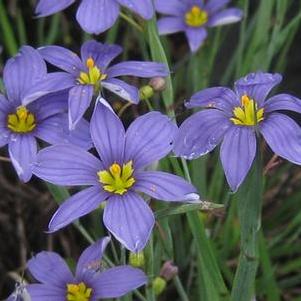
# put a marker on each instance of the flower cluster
(42, 120)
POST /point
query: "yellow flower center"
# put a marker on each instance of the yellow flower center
(248, 114)
(78, 292)
(22, 121)
(117, 179)
(196, 17)
(93, 77)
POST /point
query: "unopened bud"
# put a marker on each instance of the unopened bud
(137, 260)
(159, 285)
(168, 270)
(158, 84)
(146, 92)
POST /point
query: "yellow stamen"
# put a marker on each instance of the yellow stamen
(93, 76)
(90, 63)
(78, 292)
(117, 179)
(22, 121)
(248, 114)
(196, 17)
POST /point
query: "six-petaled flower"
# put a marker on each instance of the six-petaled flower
(234, 118)
(45, 118)
(118, 176)
(193, 17)
(86, 77)
(89, 283)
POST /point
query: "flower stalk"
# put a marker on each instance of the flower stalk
(249, 211)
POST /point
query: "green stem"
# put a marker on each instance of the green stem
(149, 256)
(213, 286)
(180, 289)
(10, 42)
(131, 21)
(249, 211)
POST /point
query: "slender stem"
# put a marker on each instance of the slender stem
(180, 289)
(149, 105)
(249, 211)
(131, 21)
(10, 42)
(123, 109)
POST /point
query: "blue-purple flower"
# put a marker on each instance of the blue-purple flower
(89, 283)
(44, 118)
(87, 76)
(193, 17)
(234, 118)
(118, 176)
(96, 16)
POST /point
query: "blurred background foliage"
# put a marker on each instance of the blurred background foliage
(268, 39)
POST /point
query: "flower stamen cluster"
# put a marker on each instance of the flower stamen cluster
(78, 292)
(196, 17)
(22, 121)
(117, 179)
(248, 114)
(93, 77)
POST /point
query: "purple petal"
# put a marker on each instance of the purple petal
(168, 25)
(195, 37)
(96, 16)
(136, 68)
(237, 154)
(42, 292)
(164, 186)
(49, 7)
(80, 98)
(62, 58)
(226, 16)
(144, 8)
(22, 150)
(122, 89)
(218, 97)
(77, 206)
(91, 257)
(108, 135)
(118, 281)
(49, 105)
(213, 6)
(282, 102)
(50, 268)
(149, 138)
(52, 82)
(170, 7)
(201, 133)
(257, 85)
(102, 54)
(130, 220)
(22, 72)
(55, 130)
(5, 108)
(283, 135)
(67, 166)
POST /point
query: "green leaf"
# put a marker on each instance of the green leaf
(203, 206)
(249, 198)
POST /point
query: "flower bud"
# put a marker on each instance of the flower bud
(168, 270)
(146, 92)
(159, 285)
(158, 84)
(137, 260)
